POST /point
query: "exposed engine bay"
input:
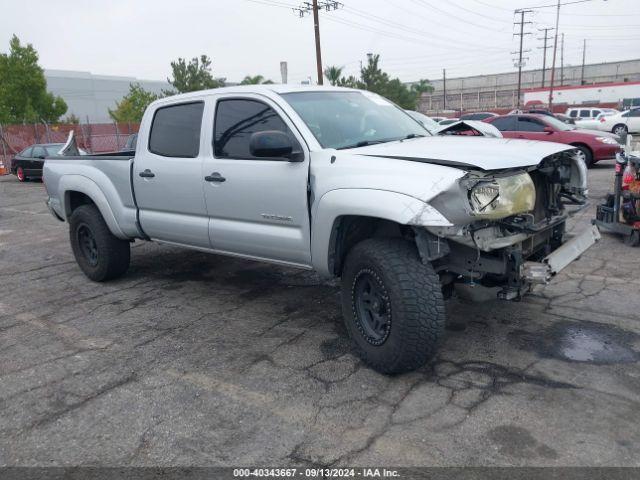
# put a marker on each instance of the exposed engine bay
(511, 220)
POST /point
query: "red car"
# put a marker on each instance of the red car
(593, 145)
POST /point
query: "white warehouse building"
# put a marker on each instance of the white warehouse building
(90, 96)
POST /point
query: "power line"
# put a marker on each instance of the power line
(467, 22)
(559, 4)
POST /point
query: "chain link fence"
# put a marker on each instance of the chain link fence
(91, 137)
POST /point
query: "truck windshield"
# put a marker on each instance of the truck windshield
(352, 119)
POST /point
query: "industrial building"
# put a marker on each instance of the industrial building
(499, 91)
(90, 96)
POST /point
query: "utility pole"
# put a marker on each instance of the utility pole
(562, 61)
(520, 62)
(544, 52)
(584, 52)
(313, 7)
(553, 63)
(444, 89)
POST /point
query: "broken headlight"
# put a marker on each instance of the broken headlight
(500, 197)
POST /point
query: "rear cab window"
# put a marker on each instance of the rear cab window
(175, 130)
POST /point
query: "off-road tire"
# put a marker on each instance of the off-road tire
(112, 254)
(414, 298)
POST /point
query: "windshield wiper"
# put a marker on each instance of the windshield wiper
(413, 135)
(363, 143)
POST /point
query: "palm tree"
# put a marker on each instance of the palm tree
(333, 74)
(255, 80)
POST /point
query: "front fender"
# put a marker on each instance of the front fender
(393, 206)
(82, 184)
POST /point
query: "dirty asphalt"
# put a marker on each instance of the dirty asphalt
(195, 359)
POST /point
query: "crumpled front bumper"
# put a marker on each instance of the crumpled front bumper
(541, 272)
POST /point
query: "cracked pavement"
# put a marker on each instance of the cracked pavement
(201, 360)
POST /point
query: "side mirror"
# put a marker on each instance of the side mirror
(271, 143)
(548, 130)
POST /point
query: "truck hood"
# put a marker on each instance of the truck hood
(465, 151)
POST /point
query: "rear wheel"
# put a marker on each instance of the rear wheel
(620, 129)
(392, 305)
(101, 255)
(20, 174)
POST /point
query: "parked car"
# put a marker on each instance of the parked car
(424, 120)
(438, 119)
(335, 180)
(477, 115)
(621, 123)
(29, 162)
(591, 123)
(592, 146)
(586, 112)
(448, 121)
(130, 144)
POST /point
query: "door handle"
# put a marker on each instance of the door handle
(147, 174)
(215, 177)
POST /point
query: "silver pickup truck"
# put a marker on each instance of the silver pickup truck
(339, 181)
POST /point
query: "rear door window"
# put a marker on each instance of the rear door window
(585, 113)
(175, 131)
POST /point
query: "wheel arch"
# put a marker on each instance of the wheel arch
(345, 217)
(79, 190)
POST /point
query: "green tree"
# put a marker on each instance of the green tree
(374, 79)
(422, 86)
(71, 119)
(23, 88)
(133, 104)
(194, 75)
(255, 80)
(333, 74)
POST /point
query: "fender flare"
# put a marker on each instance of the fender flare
(82, 184)
(383, 204)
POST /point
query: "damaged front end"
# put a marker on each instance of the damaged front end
(508, 225)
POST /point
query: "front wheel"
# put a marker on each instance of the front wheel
(585, 155)
(392, 305)
(101, 255)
